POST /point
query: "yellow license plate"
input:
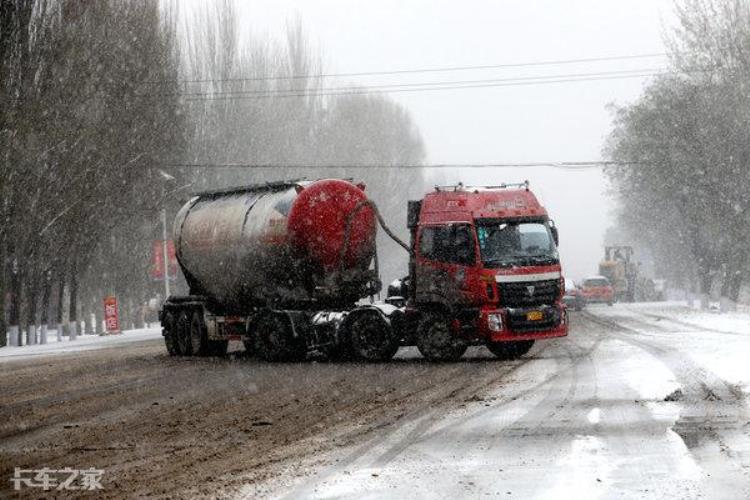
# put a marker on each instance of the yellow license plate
(534, 316)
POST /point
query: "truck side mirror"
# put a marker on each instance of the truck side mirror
(555, 234)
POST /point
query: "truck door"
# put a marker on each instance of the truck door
(444, 252)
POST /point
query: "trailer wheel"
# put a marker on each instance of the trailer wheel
(218, 348)
(436, 340)
(170, 334)
(251, 346)
(276, 340)
(198, 337)
(510, 350)
(182, 332)
(341, 352)
(372, 338)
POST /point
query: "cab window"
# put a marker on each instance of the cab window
(452, 244)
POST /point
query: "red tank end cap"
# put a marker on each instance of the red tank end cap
(317, 221)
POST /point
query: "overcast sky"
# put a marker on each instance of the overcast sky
(554, 122)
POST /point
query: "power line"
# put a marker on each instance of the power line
(421, 89)
(566, 165)
(393, 86)
(429, 70)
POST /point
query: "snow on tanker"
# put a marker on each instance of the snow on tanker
(283, 267)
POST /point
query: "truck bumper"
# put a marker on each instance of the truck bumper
(524, 323)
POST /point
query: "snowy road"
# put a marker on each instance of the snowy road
(584, 417)
(579, 417)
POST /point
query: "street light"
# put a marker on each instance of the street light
(164, 248)
(165, 252)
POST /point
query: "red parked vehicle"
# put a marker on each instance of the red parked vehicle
(598, 289)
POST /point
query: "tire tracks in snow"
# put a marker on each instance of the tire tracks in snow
(421, 421)
(713, 420)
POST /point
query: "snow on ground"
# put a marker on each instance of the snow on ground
(81, 343)
(718, 341)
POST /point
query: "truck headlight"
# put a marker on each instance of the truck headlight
(495, 322)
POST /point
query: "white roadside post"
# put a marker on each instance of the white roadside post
(14, 336)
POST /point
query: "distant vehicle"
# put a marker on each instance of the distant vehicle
(621, 272)
(573, 296)
(597, 289)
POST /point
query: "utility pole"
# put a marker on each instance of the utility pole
(165, 255)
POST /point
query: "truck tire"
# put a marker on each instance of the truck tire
(510, 350)
(436, 340)
(169, 331)
(218, 348)
(251, 347)
(198, 336)
(341, 352)
(182, 332)
(372, 338)
(276, 340)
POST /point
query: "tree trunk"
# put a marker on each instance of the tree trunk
(730, 290)
(73, 304)
(46, 293)
(14, 309)
(33, 295)
(60, 306)
(3, 277)
(704, 284)
(98, 313)
(89, 328)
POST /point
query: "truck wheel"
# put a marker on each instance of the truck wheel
(372, 338)
(510, 350)
(436, 340)
(170, 334)
(198, 336)
(341, 352)
(218, 347)
(182, 330)
(251, 346)
(276, 340)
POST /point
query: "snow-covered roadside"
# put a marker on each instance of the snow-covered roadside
(81, 343)
(722, 322)
(718, 341)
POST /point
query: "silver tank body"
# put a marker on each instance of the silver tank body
(234, 247)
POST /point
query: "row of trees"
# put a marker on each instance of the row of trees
(78, 141)
(684, 188)
(99, 97)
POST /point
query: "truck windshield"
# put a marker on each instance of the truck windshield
(505, 244)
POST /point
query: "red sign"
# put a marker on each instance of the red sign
(111, 315)
(157, 260)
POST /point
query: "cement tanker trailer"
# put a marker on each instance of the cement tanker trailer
(280, 266)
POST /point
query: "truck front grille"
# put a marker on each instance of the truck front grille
(529, 293)
(518, 321)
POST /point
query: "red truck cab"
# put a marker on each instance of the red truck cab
(484, 270)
